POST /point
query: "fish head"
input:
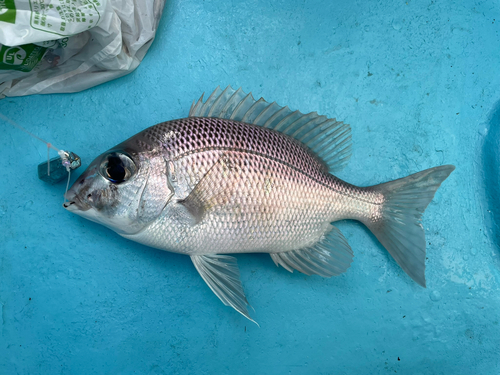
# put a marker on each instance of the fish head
(124, 189)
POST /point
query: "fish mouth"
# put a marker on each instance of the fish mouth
(75, 204)
(70, 206)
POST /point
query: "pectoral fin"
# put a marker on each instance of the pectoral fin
(222, 275)
(213, 190)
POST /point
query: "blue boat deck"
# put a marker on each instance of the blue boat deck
(419, 84)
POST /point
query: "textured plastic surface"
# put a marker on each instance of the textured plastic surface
(63, 46)
(419, 84)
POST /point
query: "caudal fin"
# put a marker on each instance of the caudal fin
(399, 229)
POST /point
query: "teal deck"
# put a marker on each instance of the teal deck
(418, 82)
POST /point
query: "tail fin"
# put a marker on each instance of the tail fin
(400, 230)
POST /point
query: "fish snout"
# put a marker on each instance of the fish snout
(75, 203)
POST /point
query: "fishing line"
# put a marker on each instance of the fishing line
(69, 160)
(6, 119)
(67, 185)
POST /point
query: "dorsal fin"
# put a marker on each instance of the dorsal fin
(328, 139)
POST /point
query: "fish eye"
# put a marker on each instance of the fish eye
(117, 167)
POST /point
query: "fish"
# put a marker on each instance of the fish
(240, 175)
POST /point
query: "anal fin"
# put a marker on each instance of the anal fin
(330, 256)
(222, 275)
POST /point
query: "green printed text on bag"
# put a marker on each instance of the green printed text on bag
(7, 11)
(23, 58)
(64, 17)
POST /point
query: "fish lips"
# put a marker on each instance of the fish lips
(74, 203)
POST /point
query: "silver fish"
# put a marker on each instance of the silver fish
(246, 176)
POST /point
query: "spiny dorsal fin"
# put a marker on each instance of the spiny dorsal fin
(330, 256)
(328, 139)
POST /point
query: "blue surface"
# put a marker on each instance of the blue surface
(419, 84)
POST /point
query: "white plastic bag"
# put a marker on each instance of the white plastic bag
(56, 46)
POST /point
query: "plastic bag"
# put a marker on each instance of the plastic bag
(61, 46)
